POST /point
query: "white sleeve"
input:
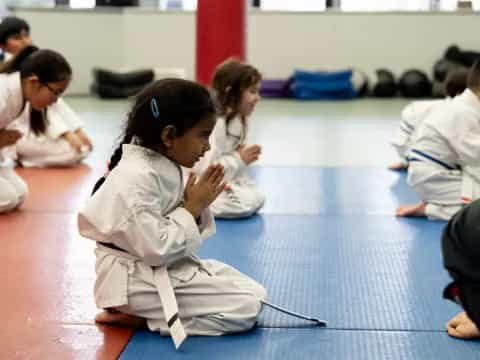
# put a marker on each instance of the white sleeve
(161, 240)
(158, 240)
(22, 122)
(206, 224)
(143, 230)
(69, 116)
(402, 138)
(220, 153)
(465, 140)
(56, 125)
(4, 120)
(61, 119)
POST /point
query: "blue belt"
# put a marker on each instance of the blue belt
(431, 158)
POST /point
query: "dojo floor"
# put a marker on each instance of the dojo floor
(326, 244)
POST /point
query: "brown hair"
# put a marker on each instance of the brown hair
(456, 83)
(473, 80)
(230, 80)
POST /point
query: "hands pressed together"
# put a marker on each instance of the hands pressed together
(201, 191)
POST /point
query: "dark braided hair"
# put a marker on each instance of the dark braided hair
(178, 102)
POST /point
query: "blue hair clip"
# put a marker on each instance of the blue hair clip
(154, 108)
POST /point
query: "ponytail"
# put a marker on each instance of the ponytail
(14, 64)
(176, 102)
(38, 121)
(114, 160)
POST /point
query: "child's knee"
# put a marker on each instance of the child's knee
(9, 199)
(260, 292)
(21, 191)
(250, 309)
(21, 188)
(235, 209)
(260, 199)
(72, 157)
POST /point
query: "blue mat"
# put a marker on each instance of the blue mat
(301, 344)
(332, 250)
(362, 272)
(313, 191)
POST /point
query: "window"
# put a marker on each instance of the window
(82, 4)
(39, 3)
(280, 5)
(293, 5)
(384, 5)
(402, 5)
(178, 4)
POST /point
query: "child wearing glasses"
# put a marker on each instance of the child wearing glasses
(34, 77)
(63, 142)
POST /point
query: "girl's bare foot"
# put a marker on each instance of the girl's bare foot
(411, 210)
(114, 317)
(462, 327)
(399, 166)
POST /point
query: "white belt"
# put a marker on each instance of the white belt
(169, 304)
(164, 289)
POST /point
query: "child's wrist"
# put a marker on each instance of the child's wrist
(192, 209)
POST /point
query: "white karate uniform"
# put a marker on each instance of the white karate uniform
(412, 117)
(13, 189)
(49, 149)
(138, 209)
(445, 156)
(241, 198)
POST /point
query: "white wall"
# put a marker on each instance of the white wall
(277, 42)
(85, 38)
(160, 39)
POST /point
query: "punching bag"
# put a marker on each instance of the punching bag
(385, 85)
(414, 83)
(221, 26)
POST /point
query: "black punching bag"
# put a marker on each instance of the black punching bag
(415, 84)
(385, 84)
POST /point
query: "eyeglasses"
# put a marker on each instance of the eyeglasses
(56, 92)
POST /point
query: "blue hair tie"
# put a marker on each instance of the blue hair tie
(154, 108)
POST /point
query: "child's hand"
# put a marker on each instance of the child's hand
(200, 194)
(84, 139)
(9, 137)
(74, 141)
(249, 154)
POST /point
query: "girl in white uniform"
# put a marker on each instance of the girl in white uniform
(63, 142)
(148, 225)
(416, 112)
(236, 86)
(445, 156)
(37, 78)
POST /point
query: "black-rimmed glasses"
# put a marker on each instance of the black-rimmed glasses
(56, 92)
